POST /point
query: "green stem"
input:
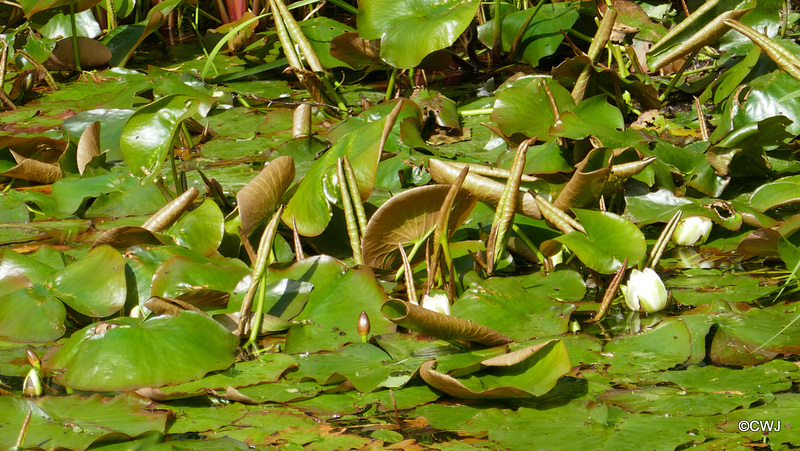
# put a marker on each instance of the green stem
(411, 254)
(678, 76)
(476, 112)
(254, 331)
(390, 87)
(528, 243)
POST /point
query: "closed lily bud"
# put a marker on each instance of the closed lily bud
(32, 386)
(33, 359)
(692, 231)
(363, 326)
(645, 292)
(437, 303)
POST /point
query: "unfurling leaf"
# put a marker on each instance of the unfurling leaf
(260, 197)
(408, 218)
(524, 373)
(438, 325)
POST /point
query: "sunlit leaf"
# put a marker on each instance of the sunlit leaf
(542, 36)
(408, 218)
(30, 314)
(148, 134)
(438, 325)
(609, 240)
(333, 306)
(201, 229)
(94, 286)
(75, 422)
(523, 307)
(124, 354)
(259, 198)
(409, 30)
(310, 204)
(524, 373)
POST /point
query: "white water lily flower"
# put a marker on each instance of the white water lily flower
(692, 231)
(645, 292)
(437, 303)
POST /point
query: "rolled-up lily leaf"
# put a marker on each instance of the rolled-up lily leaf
(524, 373)
(438, 325)
(485, 189)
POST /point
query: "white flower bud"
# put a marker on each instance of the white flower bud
(645, 292)
(692, 231)
(437, 303)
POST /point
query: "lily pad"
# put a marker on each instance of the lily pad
(75, 422)
(409, 30)
(609, 240)
(125, 354)
(148, 134)
(525, 373)
(523, 307)
(339, 296)
(94, 286)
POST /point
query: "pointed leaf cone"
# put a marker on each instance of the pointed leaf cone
(645, 292)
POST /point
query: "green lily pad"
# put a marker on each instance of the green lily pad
(310, 204)
(524, 373)
(516, 102)
(148, 134)
(180, 274)
(206, 418)
(43, 315)
(201, 229)
(676, 401)
(593, 426)
(69, 193)
(367, 367)
(409, 30)
(522, 307)
(609, 240)
(697, 287)
(125, 354)
(94, 286)
(783, 411)
(333, 307)
(75, 422)
(773, 194)
(666, 345)
(266, 368)
(338, 404)
(541, 37)
(755, 336)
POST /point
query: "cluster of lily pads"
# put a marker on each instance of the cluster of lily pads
(559, 270)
